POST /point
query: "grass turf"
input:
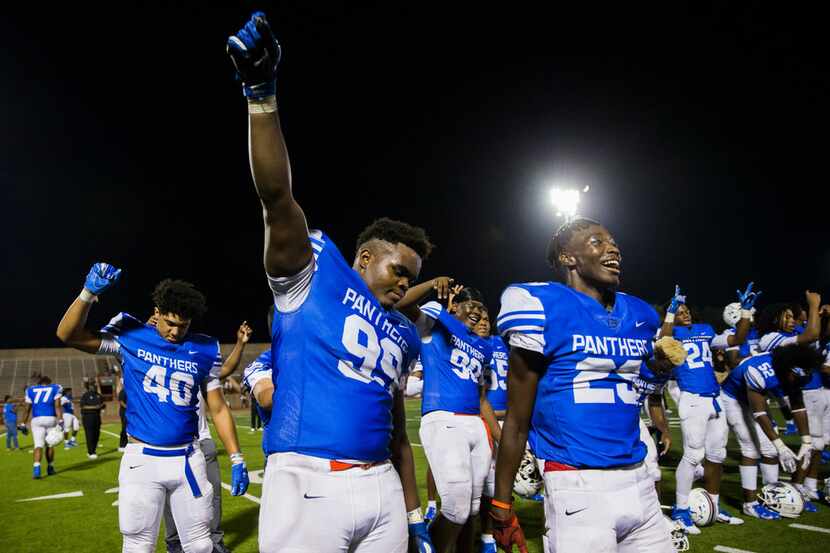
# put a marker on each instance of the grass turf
(89, 523)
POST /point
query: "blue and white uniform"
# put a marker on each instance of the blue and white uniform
(341, 358)
(754, 373)
(163, 461)
(260, 370)
(453, 434)
(70, 421)
(497, 375)
(751, 345)
(702, 424)
(42, 398)
(585, 430)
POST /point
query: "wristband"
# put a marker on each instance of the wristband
(807, 440)
(237, 458)
(746, 313)
(669, 318)
(414, 516)
(758, 414)
(263, 105)
(800, 410)
(501, 504)
(87, 297)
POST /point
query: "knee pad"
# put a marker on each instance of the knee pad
(693, 455)
(455, 502)
(717, 456)
(201, 545)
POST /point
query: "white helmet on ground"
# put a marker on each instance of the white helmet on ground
(782, 498)
(702, 507)
(679, 539)
(528, 480)
(54, 436)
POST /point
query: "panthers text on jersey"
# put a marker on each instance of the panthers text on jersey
(454, 358)
(340, 357)
(497, 375)
(587, 407)
(162, 379)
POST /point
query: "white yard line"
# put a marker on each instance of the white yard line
(724, 549)
(111, 433)
(56, 496)
(810, 528)
(246, 496)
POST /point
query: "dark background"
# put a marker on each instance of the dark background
(701, 132)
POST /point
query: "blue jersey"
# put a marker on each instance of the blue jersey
(10, 413)
(755, 372)
(648, 383)
(260, 368)
(162, 379)
(42, 398)
(773, 340)
(587, 408)
(497, 375)
(697, 374)
(454, 358)
(341, 357)
(751, 345)
(66, 404)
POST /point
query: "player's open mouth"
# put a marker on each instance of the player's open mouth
(474, 319)
(612, 265)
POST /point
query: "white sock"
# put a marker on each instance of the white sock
(36, 464)
(487, 538)
(769, 473)
(811, 483)
(432, 504)
(685, 478)
(749, 477)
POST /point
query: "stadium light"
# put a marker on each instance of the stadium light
(566, 201)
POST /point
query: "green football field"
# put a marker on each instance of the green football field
(85, 519)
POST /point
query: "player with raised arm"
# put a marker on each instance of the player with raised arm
(575, 350)
(736, 354)
(164, 367)
(43, 403)
(340, 472)
(777, 373)
(457, 420)
(703, 427)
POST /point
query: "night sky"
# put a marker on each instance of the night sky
(702, 134)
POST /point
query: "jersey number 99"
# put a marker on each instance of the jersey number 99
(361, 340)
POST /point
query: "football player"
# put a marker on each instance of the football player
(703, 427)
(736, 354)
(779, 326)
(70, 421)
(10, 420)
(777, 373)
(340, 471)
(43, 403)
(575, 349)
(163, 367)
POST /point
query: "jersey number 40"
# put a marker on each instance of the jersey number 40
(179, 386)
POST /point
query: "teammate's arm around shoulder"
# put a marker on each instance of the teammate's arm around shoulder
(256, 53)
(226, 428)
(72, 329)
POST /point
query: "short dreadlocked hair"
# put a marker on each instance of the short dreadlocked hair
(180, 298)
(562, 236)
(469, 294)
(769, 320)
(396, 232)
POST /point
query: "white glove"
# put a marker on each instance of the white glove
(805, 452)
(786, 456)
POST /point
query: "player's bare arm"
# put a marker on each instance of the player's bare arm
(813, 329)
(658, 417)
(402, 456)
(223, 420)
(256, 54)
(264, 393)
(747, 300)
(243, 335)
(72, 329)
(489, 415)
(522, 381)
(408, 305)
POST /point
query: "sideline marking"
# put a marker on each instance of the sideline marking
(810, 528)
(56, 496)
(246, 496)
(112, 490)
(724, 549)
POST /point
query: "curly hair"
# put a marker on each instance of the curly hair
(180, 298)
(769, 320)
(804, 356)
(469, 294)
(562, 237)
(394, 232)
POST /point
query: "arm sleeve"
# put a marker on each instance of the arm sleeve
(721, 341)
(290, 292)
(776, 340)
(212, 379)
(521, 320)
(109, 344)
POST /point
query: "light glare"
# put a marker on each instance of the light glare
(564, 201)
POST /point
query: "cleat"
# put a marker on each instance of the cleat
(488, 548)
(537, 497)
(790, 429)
(429, 516)
(36, 473)
(825, 457)
(684, 517)
(50, 470)
(92, 456)
(726, 517)
(807, 493)
(810, 507)
(759, 511)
